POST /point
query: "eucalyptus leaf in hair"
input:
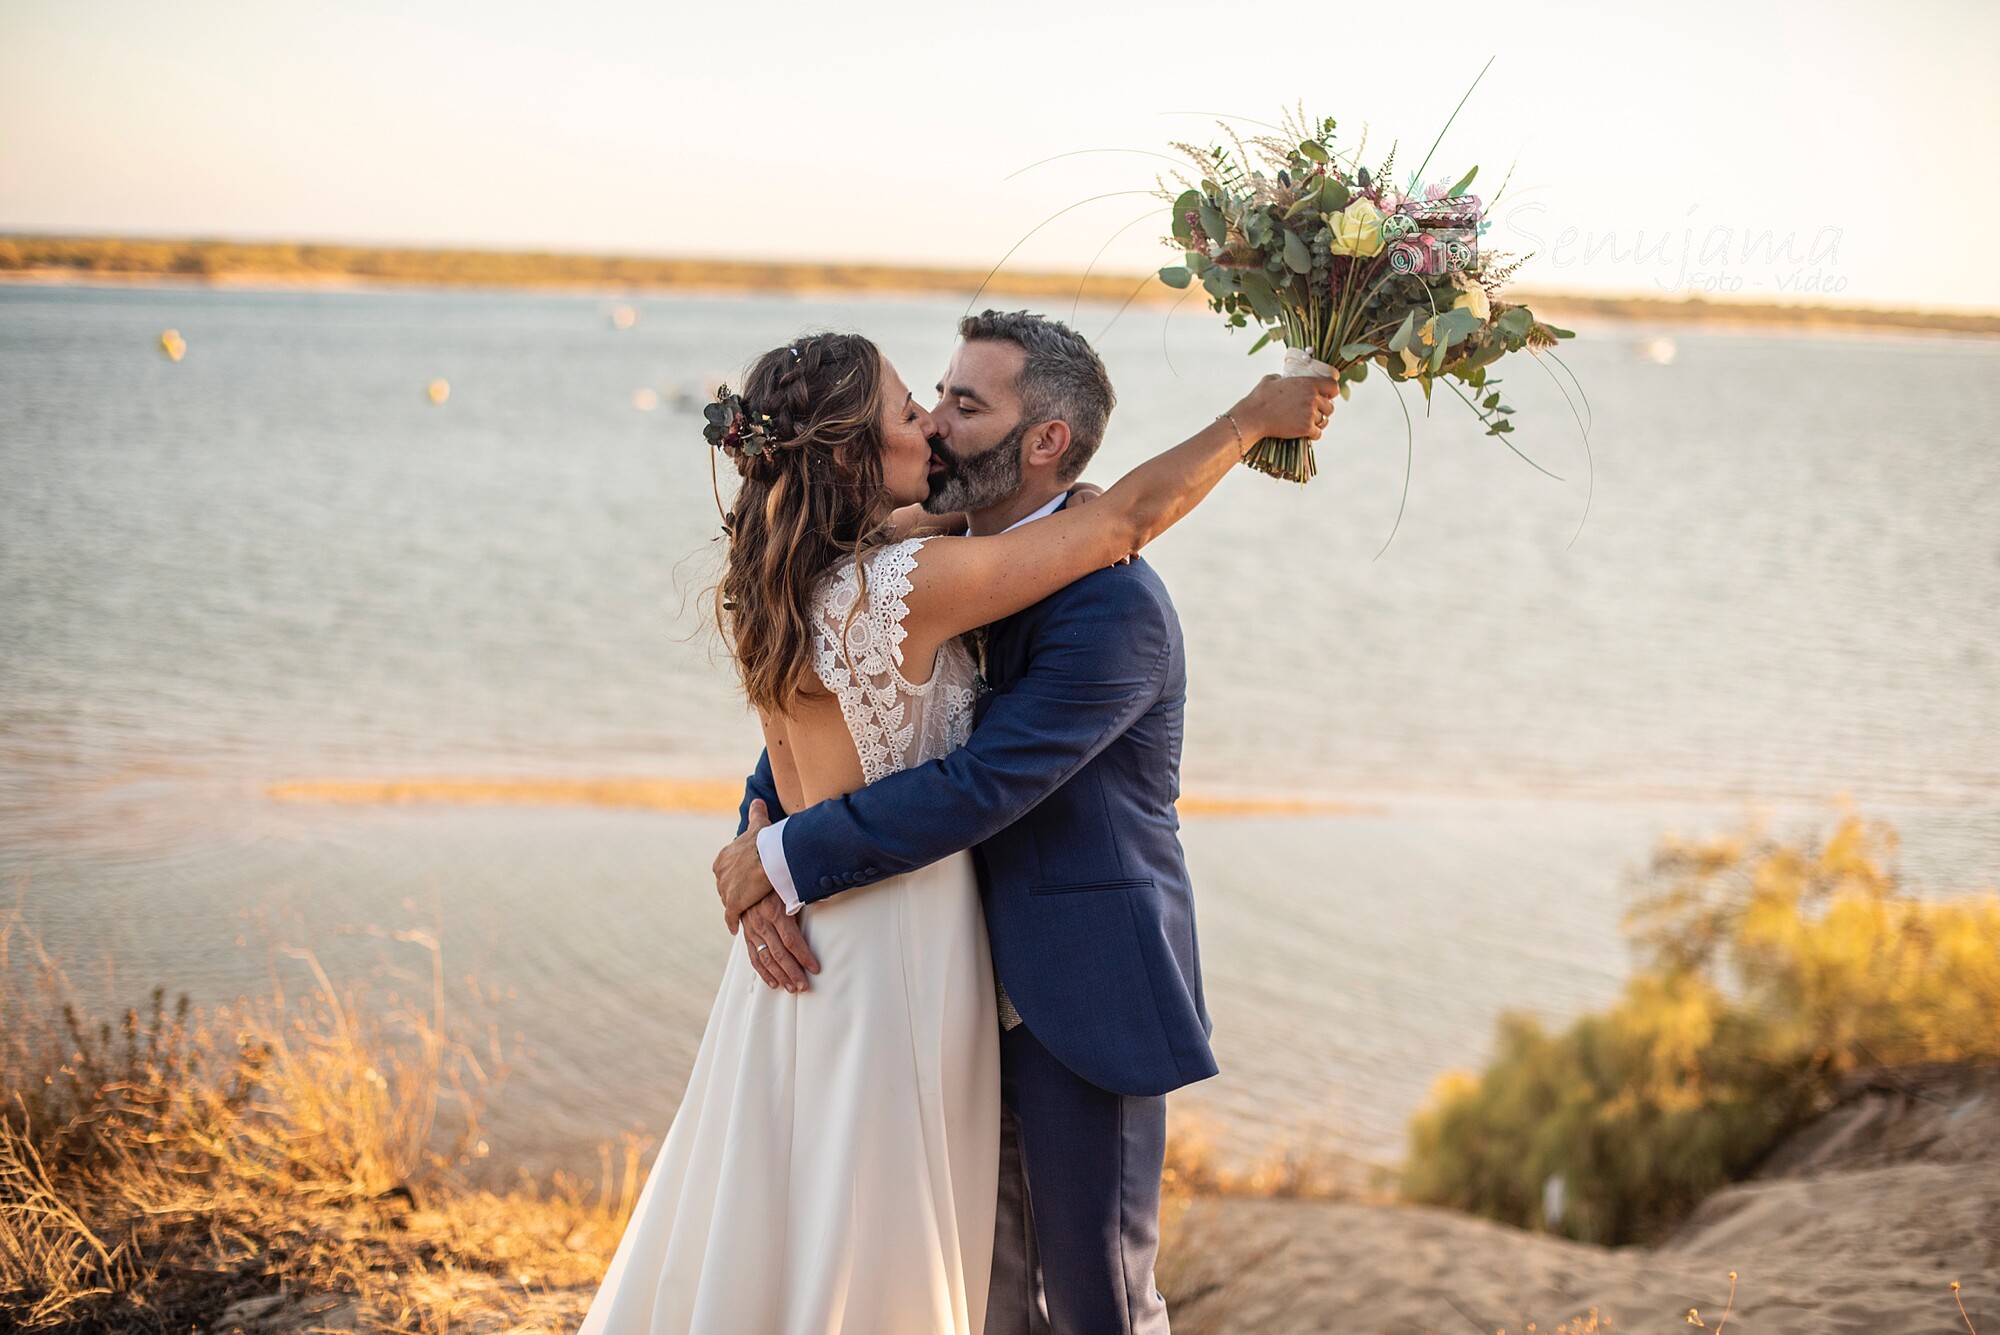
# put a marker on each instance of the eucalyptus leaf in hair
(733, 428)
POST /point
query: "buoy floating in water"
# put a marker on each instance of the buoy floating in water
(645, 400)
(173, 344)
(438, 390)
(624, 317)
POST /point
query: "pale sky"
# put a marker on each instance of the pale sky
(1833, 151)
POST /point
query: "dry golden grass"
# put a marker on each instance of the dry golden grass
(1590, 1323)
(183, 1168)
(307, 1144)
(1196, 1166)
(304, 1151)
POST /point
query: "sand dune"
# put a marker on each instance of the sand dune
(1858, 1224)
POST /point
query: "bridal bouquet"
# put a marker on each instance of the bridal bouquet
(1347, 271)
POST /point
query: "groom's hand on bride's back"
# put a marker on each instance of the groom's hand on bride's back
(777, 948)
(739, 872)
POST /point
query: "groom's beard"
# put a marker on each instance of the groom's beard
(979, 482)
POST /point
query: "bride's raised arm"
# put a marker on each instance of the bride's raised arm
(964, 582)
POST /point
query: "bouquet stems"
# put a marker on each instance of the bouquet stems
(1286, 460)
(1291, 459)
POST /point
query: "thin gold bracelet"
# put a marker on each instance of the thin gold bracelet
(1231, 419)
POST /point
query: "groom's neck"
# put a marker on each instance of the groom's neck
(999, 518)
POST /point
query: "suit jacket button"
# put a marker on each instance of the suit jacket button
(871, 872)
(826, 883)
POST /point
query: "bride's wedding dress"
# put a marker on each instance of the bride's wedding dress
(834, 1162)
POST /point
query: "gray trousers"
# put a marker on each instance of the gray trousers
(1014, 1303)
(1097, 1158)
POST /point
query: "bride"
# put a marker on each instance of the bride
(833, 1166)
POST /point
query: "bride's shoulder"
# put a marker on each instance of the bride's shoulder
(897, 553)
(890, 556)
(890, 567)
(887, 569)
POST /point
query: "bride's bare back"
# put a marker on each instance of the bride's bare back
(895, 693)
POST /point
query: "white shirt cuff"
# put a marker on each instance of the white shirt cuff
(771, 852)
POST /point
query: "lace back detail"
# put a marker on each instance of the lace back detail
(858, 655)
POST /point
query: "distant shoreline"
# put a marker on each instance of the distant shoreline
(116, 260)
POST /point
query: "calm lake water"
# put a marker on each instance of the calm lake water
(276, 560)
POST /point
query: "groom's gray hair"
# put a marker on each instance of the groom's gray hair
(1064, 380)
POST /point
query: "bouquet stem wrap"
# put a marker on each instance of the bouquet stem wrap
(1292, 460)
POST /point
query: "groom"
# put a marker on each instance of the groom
(1066, 790)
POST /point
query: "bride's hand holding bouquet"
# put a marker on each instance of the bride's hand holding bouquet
(1294, 234)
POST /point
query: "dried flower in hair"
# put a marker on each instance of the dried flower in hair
(734, 429)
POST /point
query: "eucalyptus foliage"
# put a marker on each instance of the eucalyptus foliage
(1296, 237)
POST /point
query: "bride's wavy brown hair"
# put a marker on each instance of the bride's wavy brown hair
(816, 497)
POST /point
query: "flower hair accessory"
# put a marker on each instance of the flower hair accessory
(734, 429)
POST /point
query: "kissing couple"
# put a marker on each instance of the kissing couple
(931, 1096)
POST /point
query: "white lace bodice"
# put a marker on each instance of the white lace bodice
(894, 725)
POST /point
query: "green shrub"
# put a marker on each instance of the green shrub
(1768, 972)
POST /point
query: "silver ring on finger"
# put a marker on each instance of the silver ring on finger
(763, 945)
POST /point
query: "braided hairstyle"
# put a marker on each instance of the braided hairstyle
(814, 496)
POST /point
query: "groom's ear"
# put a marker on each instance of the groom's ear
(1047, 445)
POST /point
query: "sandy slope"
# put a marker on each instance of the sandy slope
(1860, 1223)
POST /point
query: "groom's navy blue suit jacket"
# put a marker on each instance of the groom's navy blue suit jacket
(1066, 794)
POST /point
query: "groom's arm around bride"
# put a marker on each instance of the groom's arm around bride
(1066, 788)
